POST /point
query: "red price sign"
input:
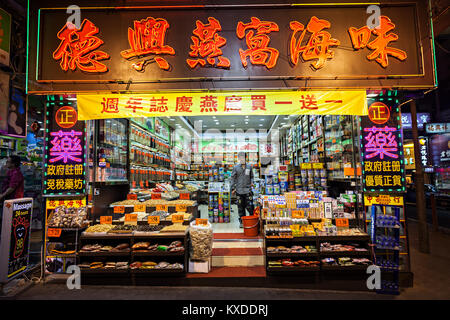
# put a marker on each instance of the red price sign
(106, 220)
(298, 214)
(177, 218)
(131, 196)
(181, 207)
(119, 209)
(201, 222)
(54, 232)
(161, 207)
(184, 196)
(342, 222)
(139, 208)
(153, 219)
(156, 195)
(131, 218)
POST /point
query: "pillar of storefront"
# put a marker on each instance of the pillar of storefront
(424, 244)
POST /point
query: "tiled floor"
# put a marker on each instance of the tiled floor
(431, 281)
(231, 227)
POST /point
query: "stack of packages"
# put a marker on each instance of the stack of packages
(201, 247)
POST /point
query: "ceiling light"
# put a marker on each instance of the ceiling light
(232, 125)
(214, 117)
(282, 124)
(260, 125)
(172, 119)
(262, 119)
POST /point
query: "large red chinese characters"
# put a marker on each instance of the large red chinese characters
(148, 38)
(206, 44)
(78, 48)
(258, 50)
(319, 43)
(360, 39)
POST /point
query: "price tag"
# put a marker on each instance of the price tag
(131, 218)
(201, 222)
(139, 208)
(156, 195)
(298, 214)
(180, 208)
(317, 165)
(106, 220)
(131, 196)
(184, 196)
(342, 222)
(177, 218)
(305, 166)
(161, 207)
(54, 232)
(119, 209)
(153, 219)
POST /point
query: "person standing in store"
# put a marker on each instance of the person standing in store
(13, 185)
(241, 184)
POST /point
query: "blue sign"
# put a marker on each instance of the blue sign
(422, 118)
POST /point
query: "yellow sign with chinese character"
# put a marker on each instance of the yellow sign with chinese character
(104, 106)
(383, 200)
(71, 203)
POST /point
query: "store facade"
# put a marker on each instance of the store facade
(336, 167)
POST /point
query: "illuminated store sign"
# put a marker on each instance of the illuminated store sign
(65, 150)
(382, 151)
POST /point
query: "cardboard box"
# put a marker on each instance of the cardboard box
(199, 266)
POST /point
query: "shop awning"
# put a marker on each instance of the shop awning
(104, 106)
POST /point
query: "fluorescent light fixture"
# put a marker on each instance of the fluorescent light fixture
(262, 119)
(214, 117)
(260, 125)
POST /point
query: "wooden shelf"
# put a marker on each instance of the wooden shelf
(344, 268)
(292, 269)
(104, 254)
(292, 255)
(159, 254)
(344, 253)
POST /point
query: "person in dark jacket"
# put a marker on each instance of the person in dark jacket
(241, 184)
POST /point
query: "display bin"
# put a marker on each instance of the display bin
(132, 276)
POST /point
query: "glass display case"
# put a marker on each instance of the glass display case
(339, 149)
(112, 150)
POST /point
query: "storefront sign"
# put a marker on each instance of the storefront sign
(440, 149)
(15, 237)
(219, 145)
(437, 128)
(423, 145)
(103, 106)
(17, 113)
(64, 150)
(223, 43)
(5, 37)
(422, 118)
(383, 200)
(382, 154)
